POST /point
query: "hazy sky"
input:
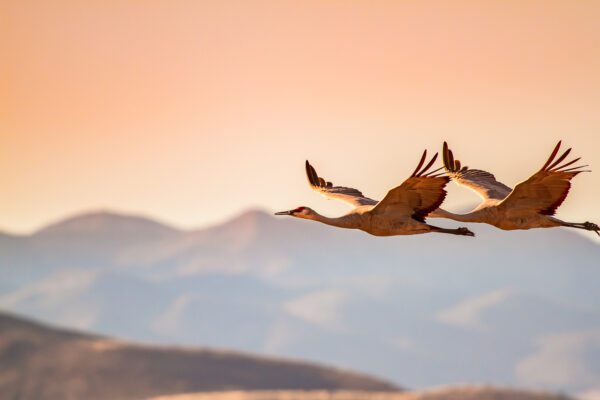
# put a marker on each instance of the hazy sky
(191, 111)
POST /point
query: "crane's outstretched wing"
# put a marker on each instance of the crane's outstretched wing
(349, 195)
(545, 190)
(482, 182)
(419, 195)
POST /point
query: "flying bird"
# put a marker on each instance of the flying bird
(531, 204)
(401, 212)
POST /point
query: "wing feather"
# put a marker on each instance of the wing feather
(545, 190)
(418, 196)
(352, 196)
(482, 182)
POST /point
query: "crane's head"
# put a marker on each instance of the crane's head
(300, 212)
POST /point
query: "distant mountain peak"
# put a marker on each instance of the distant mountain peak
(249, 219)
(103, 221)
(253, 216)
(243, 227)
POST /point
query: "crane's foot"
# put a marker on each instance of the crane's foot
(590, 226)
(464, 231)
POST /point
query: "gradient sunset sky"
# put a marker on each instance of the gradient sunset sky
(192, 111)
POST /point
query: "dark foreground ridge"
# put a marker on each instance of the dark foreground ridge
(470, 392)
(39, 362)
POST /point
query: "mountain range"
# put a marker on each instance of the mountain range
(516, 308)
(43, 362)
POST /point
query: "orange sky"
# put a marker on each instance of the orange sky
(192, 111)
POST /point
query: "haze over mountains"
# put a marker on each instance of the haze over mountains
(505, 307)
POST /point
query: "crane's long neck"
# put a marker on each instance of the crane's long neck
(441, 213)
(345, 221)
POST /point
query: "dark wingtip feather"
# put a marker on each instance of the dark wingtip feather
(431, 173)
(451, 160)
(420, 163)
(554, 152)
(445, 159)
(311, 174)
(555, 163)
(562, 167)
(428, 165)
(307, 166)
(574, 168)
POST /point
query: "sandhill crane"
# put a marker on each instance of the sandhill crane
(531, 204)
(401, 212)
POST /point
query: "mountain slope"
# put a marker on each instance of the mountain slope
(41, 362)
(423, 310)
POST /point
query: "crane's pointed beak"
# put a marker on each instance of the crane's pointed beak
(285, 212)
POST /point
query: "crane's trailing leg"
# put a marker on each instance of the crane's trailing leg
(459, 231)
(588, 226)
